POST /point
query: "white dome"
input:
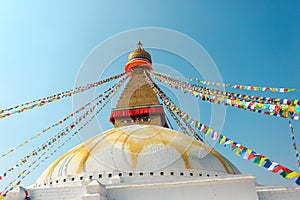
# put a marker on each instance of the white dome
(138, 148)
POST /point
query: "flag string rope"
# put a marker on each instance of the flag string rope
(52, 126)
(33, 165)
(42, 101)
(239, 149)
(195, 134)
(183, 128)
(62, 133)
(280, 111)
(180, 125)
(294, 144)
(241, 87)
(284, 111)
(258, 99)
(233, 96)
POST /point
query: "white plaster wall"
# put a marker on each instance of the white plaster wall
(216, 189)
(278, 193)
(58, 193)
(222, 187)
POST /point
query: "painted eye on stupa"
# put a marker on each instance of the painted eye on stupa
(128, 121)
(145, 119)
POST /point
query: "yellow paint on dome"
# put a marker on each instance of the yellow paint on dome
(84, 153)
(136, 143)
(134, 140)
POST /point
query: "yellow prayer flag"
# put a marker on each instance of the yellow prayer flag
(238, 151)
(292, 175)
(248, 151)
(223, 139)
(261, 161)
(208, 131)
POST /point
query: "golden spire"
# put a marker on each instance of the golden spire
(139, 53)
(138, 100)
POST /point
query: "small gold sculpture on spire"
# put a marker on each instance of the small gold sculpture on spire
(139, 46)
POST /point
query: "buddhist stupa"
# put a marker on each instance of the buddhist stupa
(142, 158)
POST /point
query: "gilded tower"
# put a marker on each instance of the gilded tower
(138, 103)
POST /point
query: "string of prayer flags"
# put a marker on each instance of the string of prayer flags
(197, 136)
(53, 125)
(26, 170)
(238, 149)
(42, 101)
(244, 87)
(205, 90)
(241, 87)
(10, 186)
(180, 125)
(294, 143)
(208, 95)
(183, 128)
(259, 99)
(65, 131)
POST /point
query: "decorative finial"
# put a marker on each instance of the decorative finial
(139, 57)
(139, 46)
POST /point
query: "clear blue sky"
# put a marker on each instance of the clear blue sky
(43, 44)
